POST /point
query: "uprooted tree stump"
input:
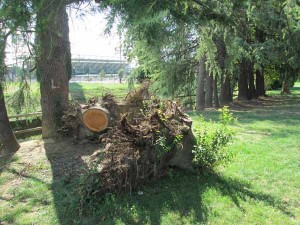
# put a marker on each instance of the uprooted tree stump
(96, 118)
(139, 151)
(141, 142)
(84, 121)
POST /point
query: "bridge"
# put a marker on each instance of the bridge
(94, 64)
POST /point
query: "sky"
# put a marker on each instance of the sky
(87, 36)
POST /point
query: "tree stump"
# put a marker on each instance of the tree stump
(96, 118)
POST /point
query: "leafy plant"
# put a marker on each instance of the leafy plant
(162, 147)
(24, 100)
(226, 117)
(212, 144)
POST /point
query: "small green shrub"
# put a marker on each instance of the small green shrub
(212, 144)
(162, 147)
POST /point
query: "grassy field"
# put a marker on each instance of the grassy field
(80, 92)
(83, 91)
(260, 186)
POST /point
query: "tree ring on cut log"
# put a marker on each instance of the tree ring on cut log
(96, 119)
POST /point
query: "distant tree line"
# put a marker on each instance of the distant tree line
(213, 48)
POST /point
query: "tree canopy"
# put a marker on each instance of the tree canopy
(257, 39)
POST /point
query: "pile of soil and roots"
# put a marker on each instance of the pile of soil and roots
(142, 150)
(142, 140)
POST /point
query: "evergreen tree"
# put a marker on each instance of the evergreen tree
(14, 14)
(53, 62)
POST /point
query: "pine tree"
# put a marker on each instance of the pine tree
(53, 63)
(13, 15)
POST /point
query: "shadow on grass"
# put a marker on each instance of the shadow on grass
(6, 159)
(180, 193)
(67, 165)
(77, 92)
(183, 195)
(286, 113)
(295, 90)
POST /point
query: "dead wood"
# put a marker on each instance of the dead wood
(142, 152)
(139, 147)
(96, 118)
(137, 97)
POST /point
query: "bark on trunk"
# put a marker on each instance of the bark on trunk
(285, 88)
(260, 80)
(8, 142)
(250, 72)
(216, 97)
(209, 91)
(53, 64)
(224, 80)
(200, 96)
(243, 82)
(226, 92)
(260, 83)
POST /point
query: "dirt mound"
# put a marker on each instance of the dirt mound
(144, 138)
(142, 150)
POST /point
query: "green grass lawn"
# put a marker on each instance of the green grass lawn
(80, 92)
(83, 91)
(260, 186)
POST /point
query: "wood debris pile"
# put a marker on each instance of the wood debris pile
(139, 151)
(141, 141)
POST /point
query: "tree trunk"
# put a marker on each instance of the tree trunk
(260, 83)
(285, 88)
(243, 82)
(226, 93)
(224, 80)
(250, 72)
(221, 55)
(216, 97)
(260, 80)
(209, 91)
(8, 142)
(200, 96)
(53, 64)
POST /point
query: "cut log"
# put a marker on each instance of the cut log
(26, 131)
(25, 115)
(96, 118)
